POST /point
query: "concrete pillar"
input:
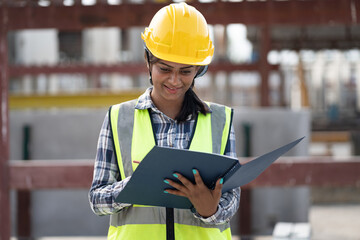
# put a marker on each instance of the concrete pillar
(101, 45)
(357, 76)
(272, 128)
(37, 47)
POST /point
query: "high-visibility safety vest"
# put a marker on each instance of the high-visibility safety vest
(133, 138)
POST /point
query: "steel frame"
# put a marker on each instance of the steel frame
(292, 12)
(16, 15)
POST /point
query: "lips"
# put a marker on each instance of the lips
(172, 90)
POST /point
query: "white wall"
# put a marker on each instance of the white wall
(270, 129)
(60, 134)
(37, 47)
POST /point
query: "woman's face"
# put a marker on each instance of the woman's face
(171, 80)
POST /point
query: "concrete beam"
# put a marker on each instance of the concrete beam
(287, 171)
(310, 171)
(51, 174)
(92, 99)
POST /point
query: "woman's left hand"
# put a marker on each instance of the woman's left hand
(204, 200)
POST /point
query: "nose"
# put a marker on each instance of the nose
(174, 77)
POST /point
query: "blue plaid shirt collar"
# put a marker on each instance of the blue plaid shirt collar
(145, 102)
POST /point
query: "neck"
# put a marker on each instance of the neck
(169, 108)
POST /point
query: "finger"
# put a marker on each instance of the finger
(198, 179)
(175, 185)
(174, 192)
(184, 180)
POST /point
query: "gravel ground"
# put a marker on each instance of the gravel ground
(328, 222)
(335, 222)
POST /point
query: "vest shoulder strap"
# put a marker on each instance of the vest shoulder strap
(214, 129)
(121, 124)
(221, 120)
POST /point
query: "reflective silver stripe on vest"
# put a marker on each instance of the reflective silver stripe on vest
(125, 130)
(185, 216)
(156, 215)
(139, 215)
(218, 120)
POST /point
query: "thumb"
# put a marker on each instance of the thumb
(218, 187)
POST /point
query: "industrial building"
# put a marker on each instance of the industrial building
(289, 68)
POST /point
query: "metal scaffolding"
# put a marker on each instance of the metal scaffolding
(264, 15)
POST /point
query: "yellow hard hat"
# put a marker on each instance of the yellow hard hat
(179, 33)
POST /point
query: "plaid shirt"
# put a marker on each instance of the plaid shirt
(169, 133)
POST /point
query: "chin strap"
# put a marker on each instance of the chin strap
(148, 62)
(202, 71)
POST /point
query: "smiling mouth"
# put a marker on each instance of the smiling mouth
(172, 90)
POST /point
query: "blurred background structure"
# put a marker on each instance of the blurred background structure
(290, 68)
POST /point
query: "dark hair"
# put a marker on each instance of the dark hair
(191, 104)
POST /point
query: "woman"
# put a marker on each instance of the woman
(177, 50)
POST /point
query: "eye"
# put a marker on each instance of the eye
(162, 69)
(185, 72)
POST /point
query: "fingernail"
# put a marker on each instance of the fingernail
(166, 181)
(175, 175)
(194, 171)
(165, 191)
(221, 181)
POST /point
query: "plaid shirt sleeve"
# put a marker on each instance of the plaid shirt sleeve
(229, 201)
(106, 180)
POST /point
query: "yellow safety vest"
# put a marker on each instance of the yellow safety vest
(133, 138)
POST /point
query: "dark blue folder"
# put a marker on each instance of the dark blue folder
(146, 186)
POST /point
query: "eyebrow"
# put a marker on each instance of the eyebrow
(190, 66)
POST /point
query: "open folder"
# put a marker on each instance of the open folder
(146, 185)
